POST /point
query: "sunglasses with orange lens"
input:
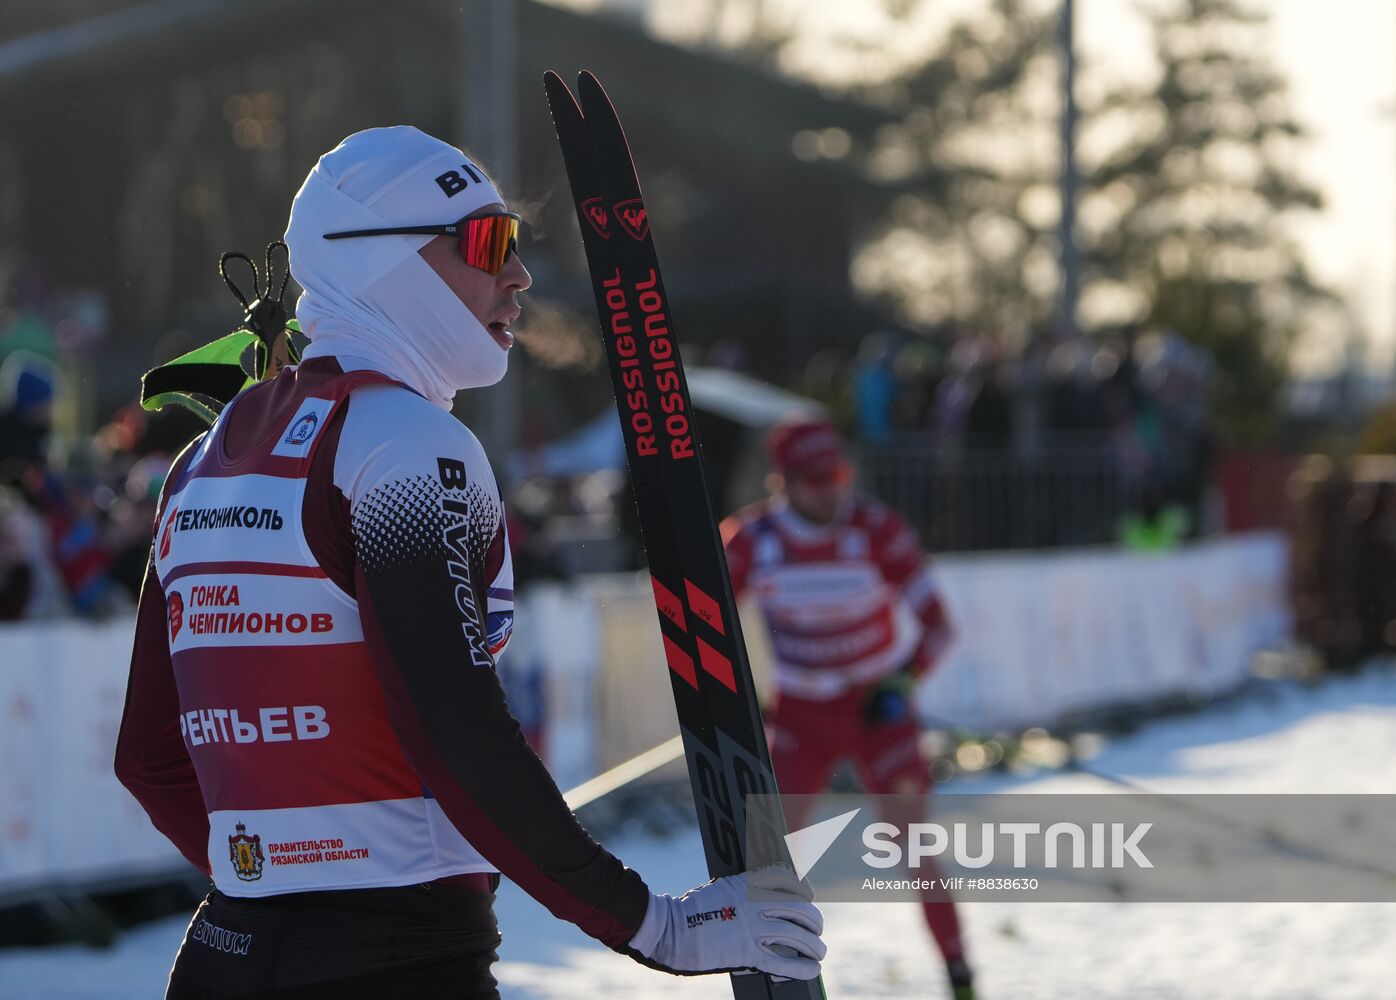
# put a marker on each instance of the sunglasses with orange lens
(486, 241)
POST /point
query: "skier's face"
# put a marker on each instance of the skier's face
(492, 298)
(819, 499)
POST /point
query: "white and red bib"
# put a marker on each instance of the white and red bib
(305, 783)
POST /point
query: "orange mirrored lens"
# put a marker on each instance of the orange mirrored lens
(487, 240)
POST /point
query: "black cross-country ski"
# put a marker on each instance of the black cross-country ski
(719, 719)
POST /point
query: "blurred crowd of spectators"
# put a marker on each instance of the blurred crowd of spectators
(75, 520)
(1139, 403)
(1081, 441)
(1145, 396)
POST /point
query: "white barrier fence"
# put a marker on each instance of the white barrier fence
(1043, 636)
(63, 816)
(1039, 637)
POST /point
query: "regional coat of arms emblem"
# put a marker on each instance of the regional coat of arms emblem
(303, 429)
(246, 855)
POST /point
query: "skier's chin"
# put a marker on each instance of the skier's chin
(816, 513)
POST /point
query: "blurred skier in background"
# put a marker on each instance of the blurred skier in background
(855, 621)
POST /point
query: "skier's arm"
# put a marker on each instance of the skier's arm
(737, 544)
(152, 760)
(905, 566)
(424, 513)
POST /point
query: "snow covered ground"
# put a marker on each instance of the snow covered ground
(1340, 737)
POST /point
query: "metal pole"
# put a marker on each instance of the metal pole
(486, 123)
(1070, 261)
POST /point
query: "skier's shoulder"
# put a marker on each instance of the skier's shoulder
(751, 519)
(870, 514)
(176, 474)
(894, 542)
(391, 432)
(396, 417)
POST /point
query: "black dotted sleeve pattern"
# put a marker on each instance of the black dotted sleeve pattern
(422, 548)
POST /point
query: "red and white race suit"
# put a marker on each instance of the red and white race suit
(847, 603)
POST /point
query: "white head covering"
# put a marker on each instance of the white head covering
(374, 298)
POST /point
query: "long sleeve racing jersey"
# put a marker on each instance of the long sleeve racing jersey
(360, 530)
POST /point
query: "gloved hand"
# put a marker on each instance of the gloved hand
(890, 699)
(719, 927)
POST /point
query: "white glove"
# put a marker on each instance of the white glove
(757, 920)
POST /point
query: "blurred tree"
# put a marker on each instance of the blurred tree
(1187, 178)
(1184, 221)
(1187, 188)
(972, 156)
(971, 241)
(756, 30)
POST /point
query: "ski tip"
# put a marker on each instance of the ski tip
(558, 95)
(553, 81)
(591, 93)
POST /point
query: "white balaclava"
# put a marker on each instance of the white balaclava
(374, 298)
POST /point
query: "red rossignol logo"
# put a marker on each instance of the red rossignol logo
(633, 217)
(595, 211)
(176, 609)
(167, 534)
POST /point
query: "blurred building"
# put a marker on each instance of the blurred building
(140, 140)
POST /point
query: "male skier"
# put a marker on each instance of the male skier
(855, 620)
(313, 715)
